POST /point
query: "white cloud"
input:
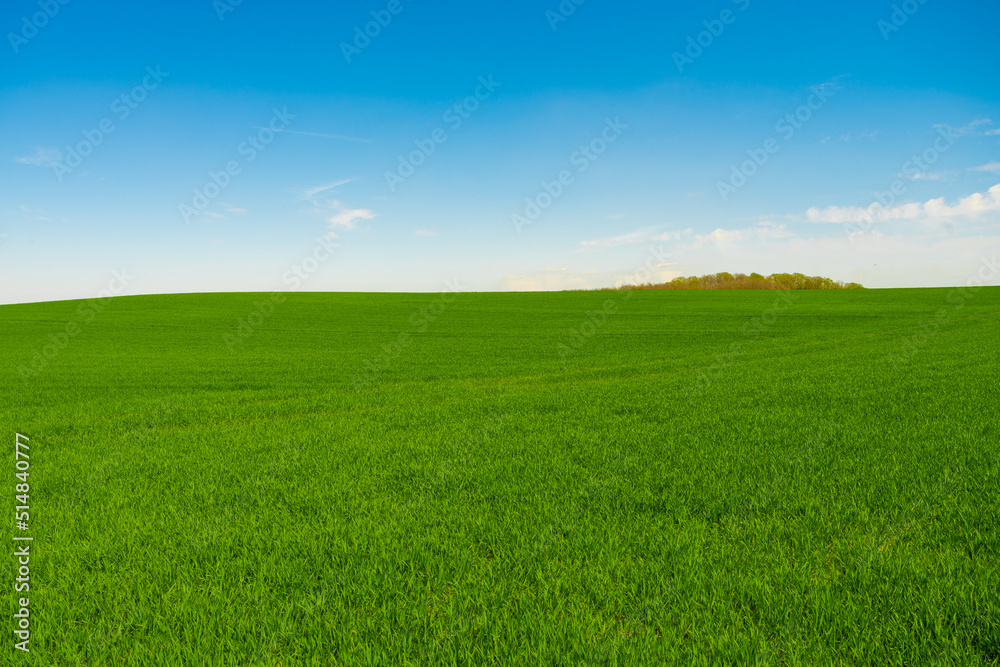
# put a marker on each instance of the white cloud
(764, 231)
(992, 133)
(43, 157)
(874, 259)
(346, 218)
(972, 128)
(37, 214)
(992, 166)
(922, 176)
(640, 236)
(974, 204)
(229, 208)
(425, 232)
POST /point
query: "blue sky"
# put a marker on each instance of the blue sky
(264, 146)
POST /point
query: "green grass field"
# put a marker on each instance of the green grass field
(578, 478)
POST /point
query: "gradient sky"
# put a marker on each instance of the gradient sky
(885, 83)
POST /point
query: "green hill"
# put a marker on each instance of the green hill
(634, 477)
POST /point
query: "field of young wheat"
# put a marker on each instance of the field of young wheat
(599, 478)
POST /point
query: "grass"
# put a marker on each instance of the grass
(595, 478)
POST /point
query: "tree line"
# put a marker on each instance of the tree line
(726, 280)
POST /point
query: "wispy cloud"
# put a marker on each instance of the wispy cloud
(923, 176)
(43, 157)
(37, 214)
(425, 232)
(347, 218)
(760, 233)
(229, 208)
(992, 167)
(317, 134)
(309, 193)
(974, 204)
(972, 128)
(869, 135)
(831, 86)
(647, 235)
